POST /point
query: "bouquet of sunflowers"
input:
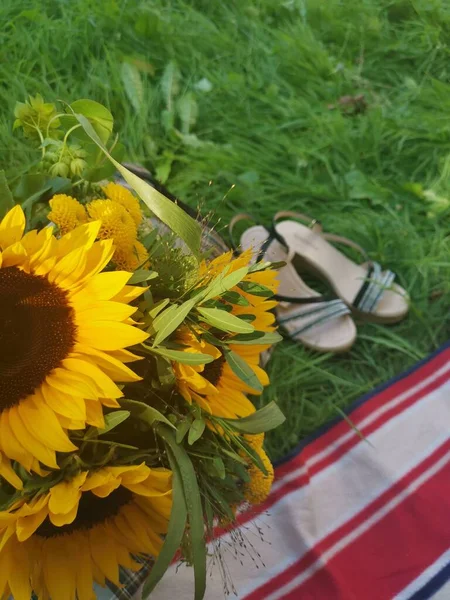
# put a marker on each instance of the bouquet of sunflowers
(126, 359)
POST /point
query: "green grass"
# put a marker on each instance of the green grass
(265, 138)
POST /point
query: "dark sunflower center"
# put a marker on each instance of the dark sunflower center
(213, 370)
(92, 511)
(37, 332)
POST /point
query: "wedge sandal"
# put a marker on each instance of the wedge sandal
(321, 323)
(366, 288)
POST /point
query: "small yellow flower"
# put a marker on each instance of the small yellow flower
(256, 441)
(67, 213)
(130, 260)
(258, 488)
(122, 196)
(116, 223)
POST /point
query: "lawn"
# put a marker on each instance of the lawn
(242, 105)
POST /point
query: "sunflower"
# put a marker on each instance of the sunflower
(64, 330)
(214, 386)
(59, 543)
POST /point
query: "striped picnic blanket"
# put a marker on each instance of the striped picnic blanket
(349, 517)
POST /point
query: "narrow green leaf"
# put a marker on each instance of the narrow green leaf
(186, 358)
(175, 531)
(260, 339)
(170, 83)
(224, 321)
(222, 284)
(167, 321)
(242, 370)
(187, 111)
(219, 466)
(132, 84)
(255, 289)
(167, 211)
(6, 197)
(265, 419)
(158, 307)
(142, 275)
(194, 508)
(235, 298)
(182, 430)
(264, 266)
(234, 456)
(114, 419)
(196, 431)
(144, 412)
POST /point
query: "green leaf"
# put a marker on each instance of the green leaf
(144, 412)
(234, 456)
(264, 265)
(158, 307)
(132, 83)
(194, 508)
(175, 531)
(142, 275)
(219, 467)
(257, 338)
(242, 370)
(224, 321)
(188, 112)
(167, 321)
(99, 117)
(167, 211)
(182, 430)
(170, 83)
(222, 284)
(196, 431)
(255, 289)
(185, 358)
(6, 198)
(235, 298)
(265, 419)
(114, 419)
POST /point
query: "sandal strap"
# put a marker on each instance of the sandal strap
(371, 291)
(307, 319)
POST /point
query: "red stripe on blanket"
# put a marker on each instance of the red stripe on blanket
(310, 471)
(371, 405)
(368, 558)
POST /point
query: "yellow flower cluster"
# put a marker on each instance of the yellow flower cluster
(67, 213)
(258, 488)
(120, 217)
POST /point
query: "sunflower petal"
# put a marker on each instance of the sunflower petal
(106, 335)
(12, 227)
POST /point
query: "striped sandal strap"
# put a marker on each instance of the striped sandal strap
(372, 289)
(306, 319)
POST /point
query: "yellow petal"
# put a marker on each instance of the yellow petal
(72, 407)
(105, 335)
(105, 386)
(94, 414)
(19, 577)
(105, 311)
(129, 293)
(96, 259)
(44, 425)
(14, 255)
(26, 526)
(8, 473)
(41, 451)
(12, 227)
(58, 571)
(103, 553)
(103, 286)
(11, 446)
(111, 366)
(67, 271)
(70, 383)
(84, 566)
(64, 519)
(83, 236)
(65, 495)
